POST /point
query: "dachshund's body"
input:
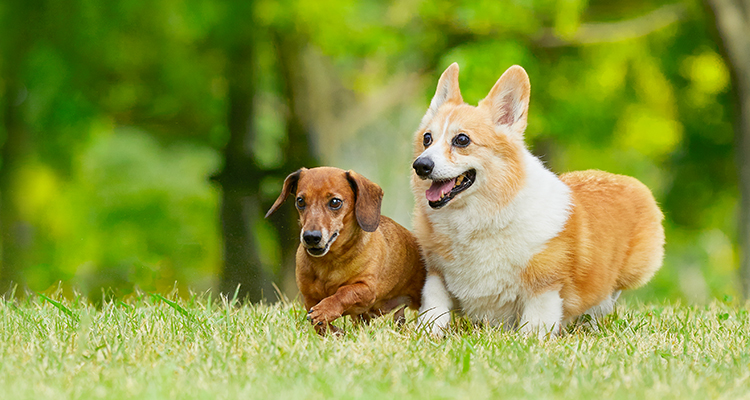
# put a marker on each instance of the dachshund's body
(370, 276)
(351, 260)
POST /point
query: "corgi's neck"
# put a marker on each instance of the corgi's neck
(543, 204)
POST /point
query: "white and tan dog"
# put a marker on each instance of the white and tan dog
(505, 240)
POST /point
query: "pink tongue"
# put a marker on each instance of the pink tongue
(438, 189)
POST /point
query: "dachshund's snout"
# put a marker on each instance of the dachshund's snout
(312, 238)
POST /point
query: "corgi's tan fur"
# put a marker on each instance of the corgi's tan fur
(505, 240)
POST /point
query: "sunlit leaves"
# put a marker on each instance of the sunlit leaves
(708, 76)
(650, 133)
(707, 71)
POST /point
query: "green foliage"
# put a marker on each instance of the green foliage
(133, 211)
(153, 346)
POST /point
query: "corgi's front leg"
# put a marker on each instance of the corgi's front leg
(435, 313)
(542, 314)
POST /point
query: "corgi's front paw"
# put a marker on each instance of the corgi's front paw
(542, 332)
(542, 315)
(434, 321)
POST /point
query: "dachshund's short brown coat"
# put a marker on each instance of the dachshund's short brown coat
(351, 260)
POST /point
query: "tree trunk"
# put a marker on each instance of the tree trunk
(733, 24)
(240, 182)
(242, 205)
(16, 233)
(743, 163)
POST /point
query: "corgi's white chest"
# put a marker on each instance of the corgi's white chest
(484, 273)
(489, 251)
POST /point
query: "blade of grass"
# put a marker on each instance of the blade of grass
(174, 305)
(60, 306)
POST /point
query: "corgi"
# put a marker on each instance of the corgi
(508, 242)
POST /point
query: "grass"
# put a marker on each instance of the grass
(154, 346)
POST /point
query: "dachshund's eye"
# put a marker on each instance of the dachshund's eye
(300, 203)
(461, 140)
(427, 139)
(335, 204)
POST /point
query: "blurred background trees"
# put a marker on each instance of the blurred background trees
(141, 143)
(732, 19)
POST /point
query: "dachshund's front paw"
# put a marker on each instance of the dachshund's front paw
(326, 329)
(324, 313)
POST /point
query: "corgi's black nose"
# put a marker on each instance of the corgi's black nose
(423, 166)
(312, 238)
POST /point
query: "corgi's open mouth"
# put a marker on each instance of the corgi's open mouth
(441, 192)
(321, 251)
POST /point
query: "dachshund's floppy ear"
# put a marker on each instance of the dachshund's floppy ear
(290, 186)
(369, 197)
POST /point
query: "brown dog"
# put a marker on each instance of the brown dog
(351, 260)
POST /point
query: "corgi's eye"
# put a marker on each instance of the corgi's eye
(461, 140)
(427, 139)
(335, 204)
(300, 203)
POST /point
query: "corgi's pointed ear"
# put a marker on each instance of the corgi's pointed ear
(508, 100)
(290, 186)
(369, 197)
(447, 91)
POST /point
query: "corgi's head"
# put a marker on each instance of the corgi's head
(463, 152)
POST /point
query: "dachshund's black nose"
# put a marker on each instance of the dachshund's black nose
(423, 166)
(312, 238)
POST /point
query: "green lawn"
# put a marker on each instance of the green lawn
(152, 347)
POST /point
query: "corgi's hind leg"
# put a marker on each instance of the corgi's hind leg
(600, 310)
(605, 307)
